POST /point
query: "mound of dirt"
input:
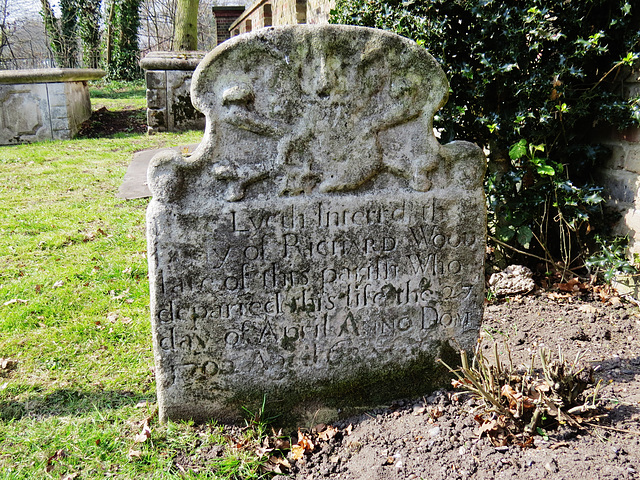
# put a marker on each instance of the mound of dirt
(106, 123)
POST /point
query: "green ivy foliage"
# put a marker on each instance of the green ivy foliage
(125, 59)
(541, 73)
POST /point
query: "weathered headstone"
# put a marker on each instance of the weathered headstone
(320, 247)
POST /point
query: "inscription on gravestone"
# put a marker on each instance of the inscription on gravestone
(320, 247)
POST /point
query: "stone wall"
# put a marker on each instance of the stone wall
(621, 174)
(44, 104)
(168, 78)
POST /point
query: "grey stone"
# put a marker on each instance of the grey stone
(168, 77)
(512, 280)
(50, 75)
(320, 247)
(45, 104)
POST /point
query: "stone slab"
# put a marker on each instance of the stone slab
(50, 75)
(320, 248)
(134, 184)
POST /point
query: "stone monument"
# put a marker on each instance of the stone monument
(44, 104)
(320, 248)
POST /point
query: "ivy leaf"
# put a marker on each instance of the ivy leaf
(545, 170)
(524, 236)
(593, 199)
(505, 233)
(518, 150)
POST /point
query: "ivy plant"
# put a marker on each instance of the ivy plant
(530, 81)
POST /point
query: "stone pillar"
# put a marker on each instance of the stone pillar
(44, 104)
(168, 77)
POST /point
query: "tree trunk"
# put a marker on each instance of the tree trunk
(109, 53)
(186, 25)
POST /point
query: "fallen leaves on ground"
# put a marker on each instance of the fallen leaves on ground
(145, 434)
(14, 300)
(133, 453)
(573, 286)
(7, 364)
(59, 455)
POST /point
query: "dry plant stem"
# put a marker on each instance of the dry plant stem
(472, 377)
(522, 252)
(537, 414)
(621, 430)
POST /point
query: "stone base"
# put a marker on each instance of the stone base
(168, 76)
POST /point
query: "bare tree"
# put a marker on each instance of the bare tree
(159, 20)
(23, 43)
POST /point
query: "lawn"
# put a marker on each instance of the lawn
(77, 389)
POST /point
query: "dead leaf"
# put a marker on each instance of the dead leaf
(517, 401)
(59, 455)
(276, 465)
(305, 442)
(38, 288)
(8, 363)
(349, 429)
(134, 453)
(142, 404)
(14, 300)
(262, 451)
(574, 285)
(558, 296)
(460, 383)
(615, 301)
(282, 444)
(58, 284)
(145, 434)
(297, 452)
(328, 433)
(488, 426)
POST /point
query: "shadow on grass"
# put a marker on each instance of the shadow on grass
(65, 402)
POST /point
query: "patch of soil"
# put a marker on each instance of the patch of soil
(437, 437)
(106, 123)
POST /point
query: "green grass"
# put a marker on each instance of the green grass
(74, 303)
(118, 95)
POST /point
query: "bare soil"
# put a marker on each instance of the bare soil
(106, 123)
(437, 437)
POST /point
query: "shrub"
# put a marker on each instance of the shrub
(540, 73)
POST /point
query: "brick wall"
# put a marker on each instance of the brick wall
(621, 174)
(264, 13)
(225, 17)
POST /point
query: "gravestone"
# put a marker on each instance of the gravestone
(320, 247)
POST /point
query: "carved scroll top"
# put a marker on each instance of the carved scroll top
(318, 108)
